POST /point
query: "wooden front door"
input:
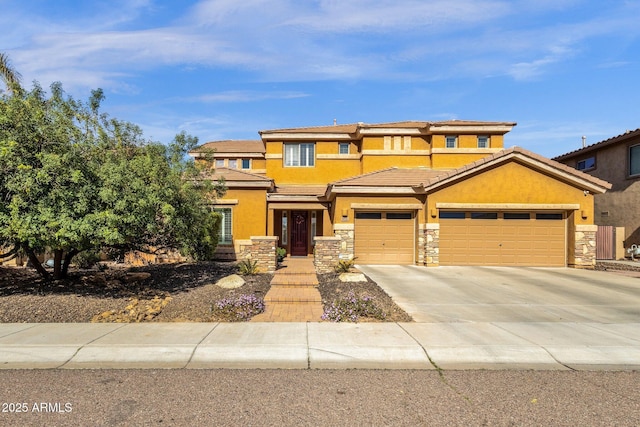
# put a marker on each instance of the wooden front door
(299, 233)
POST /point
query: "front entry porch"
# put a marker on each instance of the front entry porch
(297, 228)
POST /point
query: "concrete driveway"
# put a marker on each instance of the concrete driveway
(507, 294)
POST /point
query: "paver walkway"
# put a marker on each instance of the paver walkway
(294, 295)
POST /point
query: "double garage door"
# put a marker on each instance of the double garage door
(466, 238)
(384, 237)
(503, 238)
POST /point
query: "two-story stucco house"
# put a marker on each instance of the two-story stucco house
(425, 193)
(616, 160)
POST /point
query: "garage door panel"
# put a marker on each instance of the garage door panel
(385, 240)
(503, 242)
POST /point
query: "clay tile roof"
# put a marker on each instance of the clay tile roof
(232, 146)
(610, 141)
(392, 177)
(236, 175)
(469, 123)
(523, 154)
(405, 124)
(300, 190)
(347, 128)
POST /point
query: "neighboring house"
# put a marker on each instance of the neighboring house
(616, 160)
(425, 193)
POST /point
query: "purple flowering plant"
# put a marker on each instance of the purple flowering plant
(352, 308)
(238, 308)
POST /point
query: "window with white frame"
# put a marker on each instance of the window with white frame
(634, 160)
(226, 236)
(219, 163)
(483, 142)
(299, 154)
(233, 164)
(451, 142)
(246, 163)
(343, 148)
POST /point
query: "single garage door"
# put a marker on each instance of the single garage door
(384, 237)
(503, 238)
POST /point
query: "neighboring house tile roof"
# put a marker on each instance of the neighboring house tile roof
(610, 141)
(232, 147)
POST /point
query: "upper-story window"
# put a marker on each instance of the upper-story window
(299, 154)
(586, 164)
(451, 142)
(246, 163)
(483, 142)
(233, 164)
(219, 163)
(634, 160)
(343, 148)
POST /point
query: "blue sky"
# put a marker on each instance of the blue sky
(225, 69)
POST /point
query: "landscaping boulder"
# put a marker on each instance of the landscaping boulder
(231, 282)
(352, 277)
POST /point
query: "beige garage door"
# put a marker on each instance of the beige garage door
(503, 238)
(384, 237)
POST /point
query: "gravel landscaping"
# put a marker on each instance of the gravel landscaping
(184, 292)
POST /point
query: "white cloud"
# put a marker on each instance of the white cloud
(287, 40)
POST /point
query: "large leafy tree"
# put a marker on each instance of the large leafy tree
(9, 75)
(73, 179)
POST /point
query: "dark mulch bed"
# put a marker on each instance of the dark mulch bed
(188, 291)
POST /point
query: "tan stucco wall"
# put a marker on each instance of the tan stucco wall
(371, 163)
(329, 165)
(378, 203)
(513, 183)
(249, 215)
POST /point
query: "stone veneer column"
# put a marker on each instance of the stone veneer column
(585, 246)
(346, 234)
(431, 244)
(263, 250)
(326, 254)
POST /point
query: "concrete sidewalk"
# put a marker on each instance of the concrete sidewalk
(322, 345)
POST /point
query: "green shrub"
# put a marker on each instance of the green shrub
(248, 267)
(86, 259)
(344, 266)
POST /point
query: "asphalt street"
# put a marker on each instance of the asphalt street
(318, 397)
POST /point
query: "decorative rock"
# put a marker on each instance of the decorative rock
(230, 282)
(352, 277)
